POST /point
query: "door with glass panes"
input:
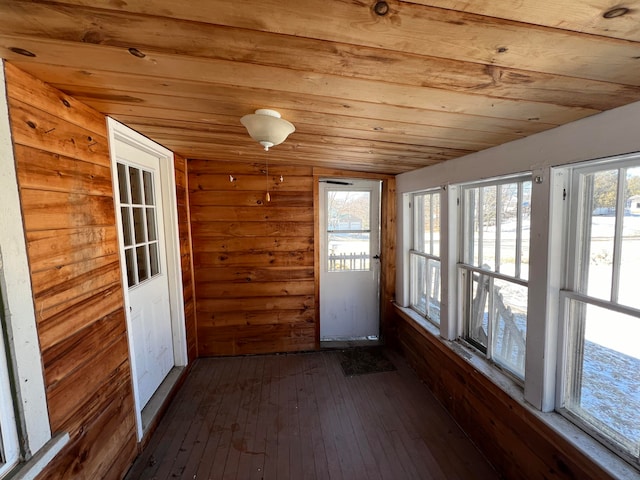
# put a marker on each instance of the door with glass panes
(143, 243)
(350, 260)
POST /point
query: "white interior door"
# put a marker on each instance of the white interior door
(350, 259)
(143, 242)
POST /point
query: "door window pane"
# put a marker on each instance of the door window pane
(149, 198)
(153, 259)
(151, 224)
(135, 184)
(142, 262)
(348, 210)
(122, 183)
(126, 225)
(131, 267)
(349, 251)
(138, 224)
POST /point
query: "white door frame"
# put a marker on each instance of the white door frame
(121, 133)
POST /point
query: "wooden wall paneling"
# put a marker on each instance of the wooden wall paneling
(188, 281)
(253, 258)
(517, 444)
(64, 178)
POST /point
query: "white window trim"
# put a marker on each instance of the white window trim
(32, 417)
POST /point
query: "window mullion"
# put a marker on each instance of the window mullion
(617, 245)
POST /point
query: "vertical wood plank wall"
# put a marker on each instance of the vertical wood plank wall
(517, 444)
(253, 260)
(64, 176)
(182, 195)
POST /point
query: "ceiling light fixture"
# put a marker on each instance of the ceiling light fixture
(267, 127)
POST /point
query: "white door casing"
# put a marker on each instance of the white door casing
(154, 303)
(349, 257)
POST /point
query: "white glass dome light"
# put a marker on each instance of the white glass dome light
(267, 127)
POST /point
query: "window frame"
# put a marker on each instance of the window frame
(574, 289)
(414, 251)
(466, 270)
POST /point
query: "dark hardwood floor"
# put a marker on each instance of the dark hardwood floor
(297, 416)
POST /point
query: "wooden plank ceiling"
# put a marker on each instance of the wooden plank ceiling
(372, 86)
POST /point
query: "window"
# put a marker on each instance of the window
(139, 224)
(601, 304)
(494, 260)
(348, 230)
(425, 255)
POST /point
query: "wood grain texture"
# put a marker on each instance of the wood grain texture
(67, 201)
(427, 82)
(186, 255)
(297, 416)
(253, 258)
(509, 435)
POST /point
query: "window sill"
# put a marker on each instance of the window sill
(601, 455)
(35, 465)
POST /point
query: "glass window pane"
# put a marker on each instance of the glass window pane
(151, 224)
(630, 253)
(509, 325)
(600, 191)
(605, 390)
(138, 224)
(142, 261)
(426, 223)
(508, 227)
(418, 219)
(418, 285)
(153, 259)
(348, 210)
(122, 183)
(472, 232)
(147, 178)
(435, 224)
(348, 251)
(131, 267)
(126, 225)
(478, 321)
(488, 226)
(433, 290)
(135, 185)
(525, 230)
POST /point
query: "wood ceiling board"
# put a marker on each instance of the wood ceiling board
(238, 101)
(331, 125)
(303, 54)
(415, 29)
(389, 94)
(91, 57)
(574, 15)
(161, 117)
